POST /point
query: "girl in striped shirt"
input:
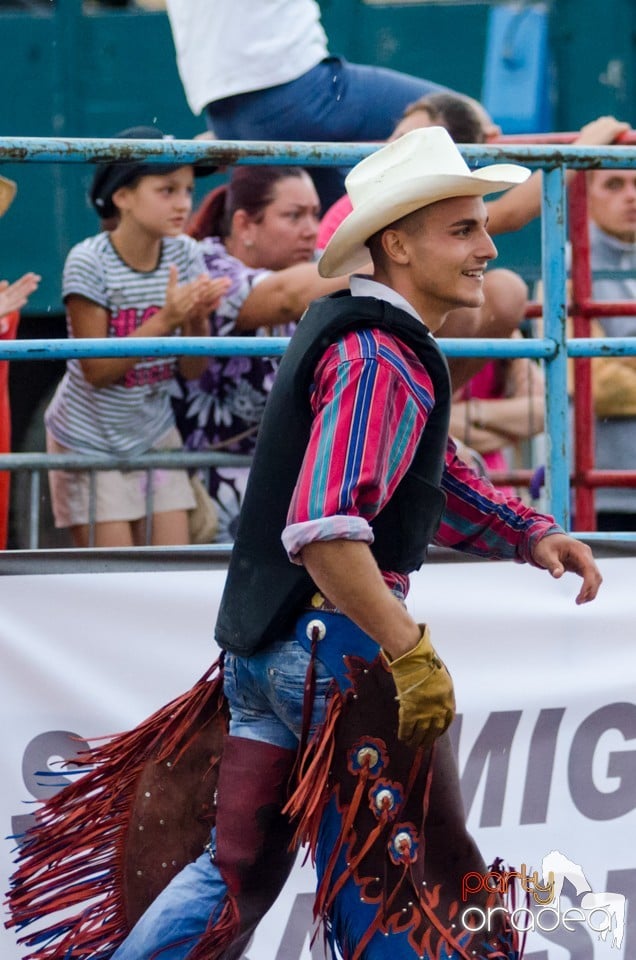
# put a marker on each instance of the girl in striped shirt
(141, 279)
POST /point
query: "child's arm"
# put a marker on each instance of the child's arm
(89, 319)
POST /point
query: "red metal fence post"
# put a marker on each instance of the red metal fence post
(584, 514)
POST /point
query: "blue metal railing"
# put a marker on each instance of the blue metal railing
(554, 347)
(229, 152)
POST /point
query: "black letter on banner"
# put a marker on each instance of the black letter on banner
(493, 746)
(536, 793)
(592, 802)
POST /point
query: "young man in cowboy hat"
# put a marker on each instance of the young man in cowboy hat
(339, 703)
(352, 478)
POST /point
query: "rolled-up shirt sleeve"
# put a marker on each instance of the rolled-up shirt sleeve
(370, 402)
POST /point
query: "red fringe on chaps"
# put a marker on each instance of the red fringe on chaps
(87, 846)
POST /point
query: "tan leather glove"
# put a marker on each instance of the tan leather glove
(425, 692)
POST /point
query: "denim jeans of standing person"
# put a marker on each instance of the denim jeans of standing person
(334, 101)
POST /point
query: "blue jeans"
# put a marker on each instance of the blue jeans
(335, 100)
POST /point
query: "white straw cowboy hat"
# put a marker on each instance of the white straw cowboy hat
(7, 193)
(420, 168)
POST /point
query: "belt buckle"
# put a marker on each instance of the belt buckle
(319, 602)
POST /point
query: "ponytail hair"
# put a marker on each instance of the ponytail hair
(250, 188)
(209, 219)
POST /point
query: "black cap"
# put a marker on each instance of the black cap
(109, 177)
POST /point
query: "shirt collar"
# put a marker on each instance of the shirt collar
(362, 286)
(621, 245)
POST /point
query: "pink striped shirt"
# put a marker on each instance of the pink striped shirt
(370, 401)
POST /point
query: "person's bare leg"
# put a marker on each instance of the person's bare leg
(505, 301)
(113, 533)
(168, 529)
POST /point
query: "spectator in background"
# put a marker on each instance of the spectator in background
(143, 279)
(258, 231)
(262, 71)
(467, 122)
(611, 199)
(501, 405)
(13, 296)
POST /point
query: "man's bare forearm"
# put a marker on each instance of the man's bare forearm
(347, 574)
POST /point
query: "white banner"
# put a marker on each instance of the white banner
(546, 730)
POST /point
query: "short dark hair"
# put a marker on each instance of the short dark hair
(406, 223)
(454, 112)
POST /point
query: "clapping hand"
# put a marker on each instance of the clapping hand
(190, 304)
(208, 293)
(13, 296)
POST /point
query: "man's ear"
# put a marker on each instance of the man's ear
(393, 246)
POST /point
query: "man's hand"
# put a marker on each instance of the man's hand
(602, 131)
(557, 553)
(425, 693)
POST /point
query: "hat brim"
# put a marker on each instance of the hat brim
(346, 250)
(8, 191)
(111, 177)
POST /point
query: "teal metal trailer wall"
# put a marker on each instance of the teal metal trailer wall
(89, 70)
(70, 73)
(592, 46)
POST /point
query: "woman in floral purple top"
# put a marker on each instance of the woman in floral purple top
(260, 231)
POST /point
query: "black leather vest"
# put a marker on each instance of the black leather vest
(264, 591)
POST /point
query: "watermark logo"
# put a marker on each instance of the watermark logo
(603, 913)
